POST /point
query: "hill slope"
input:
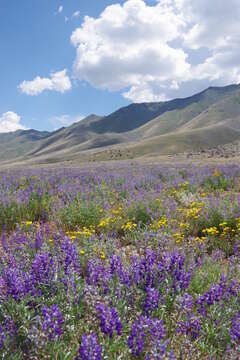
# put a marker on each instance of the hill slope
(209, 118)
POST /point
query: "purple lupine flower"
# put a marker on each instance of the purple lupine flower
(191, 327)
(137, 270)
(172, 265)
(52, 322)
(157, 330)
(98, 274)
(216, 293)
(142, 328)
(151, 301)
(2, 337)
(235, 329)
(160, 352)
(109, 320)
(186, 303)
(38, 240)
(116, 265)
(3, 288)
(143, 270)
(136, 339)
(43, 269)
(70, 256)
(89, 348)
(149, 264)
(17, 282)
(9, 326)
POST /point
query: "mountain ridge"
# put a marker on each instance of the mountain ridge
(211, 116)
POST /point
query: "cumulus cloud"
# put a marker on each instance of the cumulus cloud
(58, 81)
(76, 14)
(10, 121)
(60, 9)
(65, 120)
(214, 25)
(128, 47)
(145, 51)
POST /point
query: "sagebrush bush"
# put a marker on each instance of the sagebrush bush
(37, 208)
(139, 214)
(79, 214)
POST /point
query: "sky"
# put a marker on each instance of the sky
(63, 60)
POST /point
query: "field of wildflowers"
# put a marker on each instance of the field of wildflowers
(120, 262)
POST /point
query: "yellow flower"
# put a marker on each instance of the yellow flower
(158, 224)
(212, 231)
(184, 226)
(102, 255)
(82, 252)
(28, 223)
(129, 226)
(178, 237)
(217, 173)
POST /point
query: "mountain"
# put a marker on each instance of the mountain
(207, 119)
(18, 144)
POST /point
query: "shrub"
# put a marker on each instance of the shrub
(79, 214)
(139, 214)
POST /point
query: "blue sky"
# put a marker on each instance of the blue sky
(35, 40)
(58, 66)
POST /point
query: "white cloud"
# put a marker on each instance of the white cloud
(58, 81)
(212, 24)
(144, 93)
(128, 47)
(146, 51)
(10, 121)
(76, 14)
(60, 9)
(65, 120)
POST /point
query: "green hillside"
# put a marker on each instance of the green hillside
(204, 120)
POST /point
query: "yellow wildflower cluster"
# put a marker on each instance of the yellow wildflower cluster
(200, 239)
(226, 229)
(238, 224)
(217, 173)
(184, 226)
(178, 237)
(203, 194)
(85, 232)
(104, 223)
(158, 224)
(194, 211)
(129, 226)
(180, 188)
(212, 231)
(26, 224)
(117, 211)
(183, 185)
(100, 253)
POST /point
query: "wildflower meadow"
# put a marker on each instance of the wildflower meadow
(120, 261)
